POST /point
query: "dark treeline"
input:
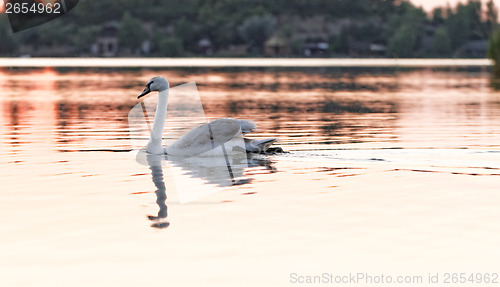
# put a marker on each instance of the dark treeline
(335, 28)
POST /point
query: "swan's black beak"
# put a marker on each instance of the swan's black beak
(145, 92)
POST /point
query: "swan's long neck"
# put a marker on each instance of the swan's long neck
(155, 141)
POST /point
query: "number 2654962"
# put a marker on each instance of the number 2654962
(34, 8)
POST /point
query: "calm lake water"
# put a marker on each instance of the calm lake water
(389, 171)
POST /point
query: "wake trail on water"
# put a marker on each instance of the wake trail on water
(459, 161)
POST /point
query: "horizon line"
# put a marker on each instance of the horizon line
(238, 62)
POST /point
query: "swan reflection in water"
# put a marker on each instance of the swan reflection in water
(155, 166)
(197, 177)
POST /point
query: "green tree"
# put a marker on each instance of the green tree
(475, 14)
(170, 47)
(438, 16)
(466, 23)
(55, 33)
(405, 30)
(402, 43)
(340, 8)
(491, 21)
(131, 33)
(185, 31)
(383, 8)
(494, 52)
(98, 12)
(218, 19)
(227, 22)
(256, 30)
(442, 42)
(458, 25)
(85, 37)
(341, 44)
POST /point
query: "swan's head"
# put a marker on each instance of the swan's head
(155, 84)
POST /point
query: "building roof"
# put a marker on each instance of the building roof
(275, 41)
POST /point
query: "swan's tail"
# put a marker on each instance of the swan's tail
(259, 146)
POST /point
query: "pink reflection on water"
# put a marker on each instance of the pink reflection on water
(87, 110)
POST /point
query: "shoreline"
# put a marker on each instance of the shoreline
(238, 62)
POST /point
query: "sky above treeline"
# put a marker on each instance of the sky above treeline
(428, 5)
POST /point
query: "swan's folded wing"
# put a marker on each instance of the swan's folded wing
(205, 137)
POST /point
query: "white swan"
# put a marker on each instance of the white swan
(203, 137)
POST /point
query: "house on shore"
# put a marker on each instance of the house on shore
(474, 49)
(106, 44)
(276, 46)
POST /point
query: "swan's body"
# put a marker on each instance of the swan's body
(202, 138)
